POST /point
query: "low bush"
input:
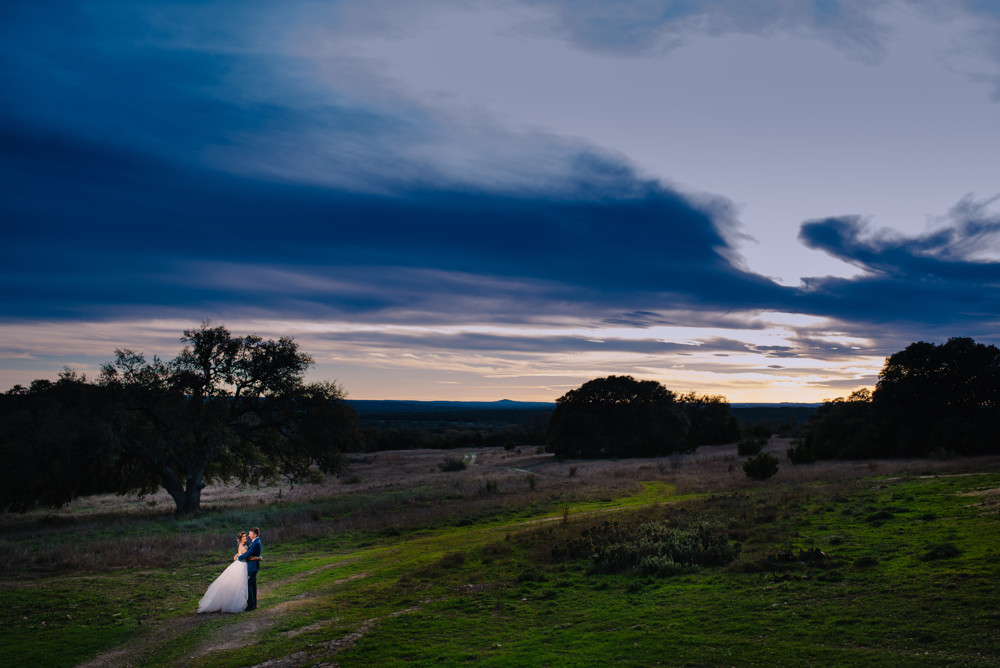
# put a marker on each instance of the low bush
(801, 452)
(452, 560)
(877, 518)
(761, 466)
(750, 446)
(866, 561)
(650, 547)
(531, 574)
(789, 560)
(453, 464)
(943, 551)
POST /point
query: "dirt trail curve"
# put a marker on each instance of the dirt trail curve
(329, 649)
(241, 631)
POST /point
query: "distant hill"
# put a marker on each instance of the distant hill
(370, 406)
(786, 404)
(793, 415)
(384, 406)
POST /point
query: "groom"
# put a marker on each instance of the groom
(252, 557)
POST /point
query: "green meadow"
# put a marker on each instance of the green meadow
(530, 562)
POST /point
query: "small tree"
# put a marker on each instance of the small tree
(750, 445)
(842, 428)
(617, 416)
(761, 466)
(710, 419)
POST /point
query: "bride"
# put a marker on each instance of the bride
(229, 591)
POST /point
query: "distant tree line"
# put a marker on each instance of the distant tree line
(930, 400)
(236, 409)
(226, 408)
(779, 419)
(508, 431)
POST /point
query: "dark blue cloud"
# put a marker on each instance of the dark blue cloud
(146, 172)
(633, 27)
(98, 221)
(939, 279)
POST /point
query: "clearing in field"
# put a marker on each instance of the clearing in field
(522, 559)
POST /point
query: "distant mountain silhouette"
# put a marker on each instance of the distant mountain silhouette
(370, 406)
(363, 406)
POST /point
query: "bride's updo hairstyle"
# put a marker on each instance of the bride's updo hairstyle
(241, 536)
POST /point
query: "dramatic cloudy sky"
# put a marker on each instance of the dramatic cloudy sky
(465, 199)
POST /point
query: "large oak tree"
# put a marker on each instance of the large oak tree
(618, 416)
(225, 408)
(930, 400)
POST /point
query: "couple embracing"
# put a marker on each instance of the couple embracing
(236, 589)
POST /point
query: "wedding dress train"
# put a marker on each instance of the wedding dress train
(229, 591)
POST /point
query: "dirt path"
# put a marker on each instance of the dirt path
(134, 652)
(322, 652)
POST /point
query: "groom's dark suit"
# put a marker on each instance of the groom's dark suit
(252, 568)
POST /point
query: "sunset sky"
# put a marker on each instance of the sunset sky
(484, 200)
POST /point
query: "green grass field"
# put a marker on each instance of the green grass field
(877, 570)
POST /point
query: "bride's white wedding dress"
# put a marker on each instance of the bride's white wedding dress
(229, 591)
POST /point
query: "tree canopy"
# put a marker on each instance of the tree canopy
(225, 408)
(930, 399)
(940, 398)
(711, 422)
(55, 443)
(618, 416)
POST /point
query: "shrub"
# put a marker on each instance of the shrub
(531, 574)
(452, 560)
(866, 562)
(662, 566)
(787, 560)
(801, 452)
(943, 551)
(761, 466)
(650, 548)
(453, 464)
(879, 517)
(750, 446)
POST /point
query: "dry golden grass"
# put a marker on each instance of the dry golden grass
(400, 490)
(525, 472)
